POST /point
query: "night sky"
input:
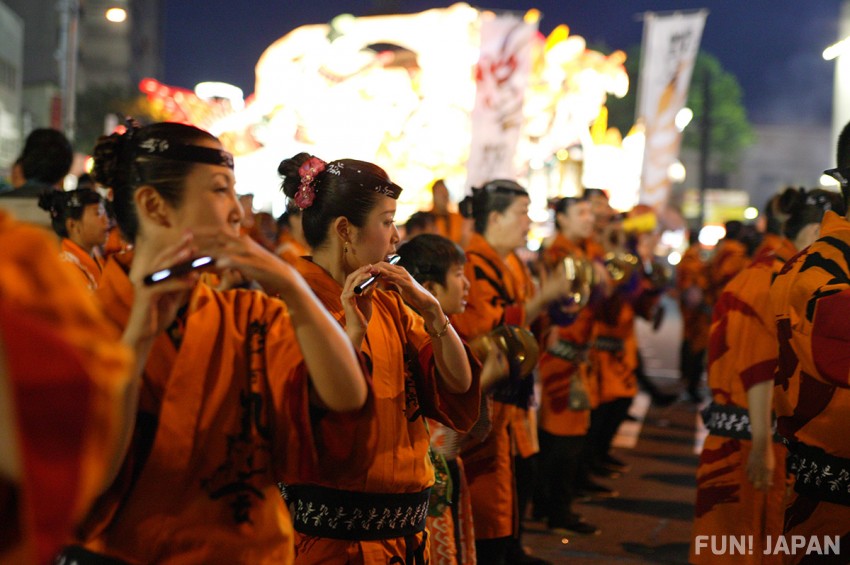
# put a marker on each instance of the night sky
(773, 47)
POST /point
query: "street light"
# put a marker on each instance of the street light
(836, 49)
(116, 15)
(683, 118)
(67, 55)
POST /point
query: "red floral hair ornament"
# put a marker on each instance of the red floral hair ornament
(308, 173)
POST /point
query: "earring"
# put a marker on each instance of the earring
(345, 247)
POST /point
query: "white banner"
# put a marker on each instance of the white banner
(501, 77)
(670, 47)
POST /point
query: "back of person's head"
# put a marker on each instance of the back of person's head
(751, 237)
(807, 207)
(47, 156)
(693, 238)
(734, 230)
(774, 216)
(64, 206)
(494, 196)
(325, 191)
(86, 181)
(284, 221)
(428, 257)
(419, 222)
(159, 155)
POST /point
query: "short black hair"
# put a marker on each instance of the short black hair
(419, 221)
(47, 156)
(428, 257)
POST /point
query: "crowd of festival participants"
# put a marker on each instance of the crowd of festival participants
(305, 398)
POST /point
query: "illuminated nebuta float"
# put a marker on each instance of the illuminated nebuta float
(400, 90)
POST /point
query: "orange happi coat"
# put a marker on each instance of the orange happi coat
(496, 296)
(449, 225)
(557, 373)
(223, 415)
(115, 243)
(692, 280)
(88, 267)
(399, 355)
(811, 300)
(65, 371)
(770, 243)
(524, 421)
(729, 258)
(615, 322)
(743, 353)
(615, 347)
(290, 249)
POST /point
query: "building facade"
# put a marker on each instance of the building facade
(70, 44)
(11, 77)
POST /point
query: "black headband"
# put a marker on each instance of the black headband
(365, 179)
(190, 153)
(818, 200)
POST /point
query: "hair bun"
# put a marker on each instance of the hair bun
(107, 159)
(790, 199)
(51, 201)
(288, 171)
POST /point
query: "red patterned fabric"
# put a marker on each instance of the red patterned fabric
(812, 388)
(444, 542)
(66, 371)
(742, 353)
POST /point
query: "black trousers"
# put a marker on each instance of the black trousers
(493, 550)
(691, 365)
(559, 472)
(605, 419)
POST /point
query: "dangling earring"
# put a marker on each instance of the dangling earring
(345, 247)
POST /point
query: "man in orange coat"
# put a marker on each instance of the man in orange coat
(811, 299)
(692, 285)
(741, 477)
(447, 223)
(730, 257)
(488, 464)
(499, 295)
(564, 418)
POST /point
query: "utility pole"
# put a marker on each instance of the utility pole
(704, 142)
(66, 56)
